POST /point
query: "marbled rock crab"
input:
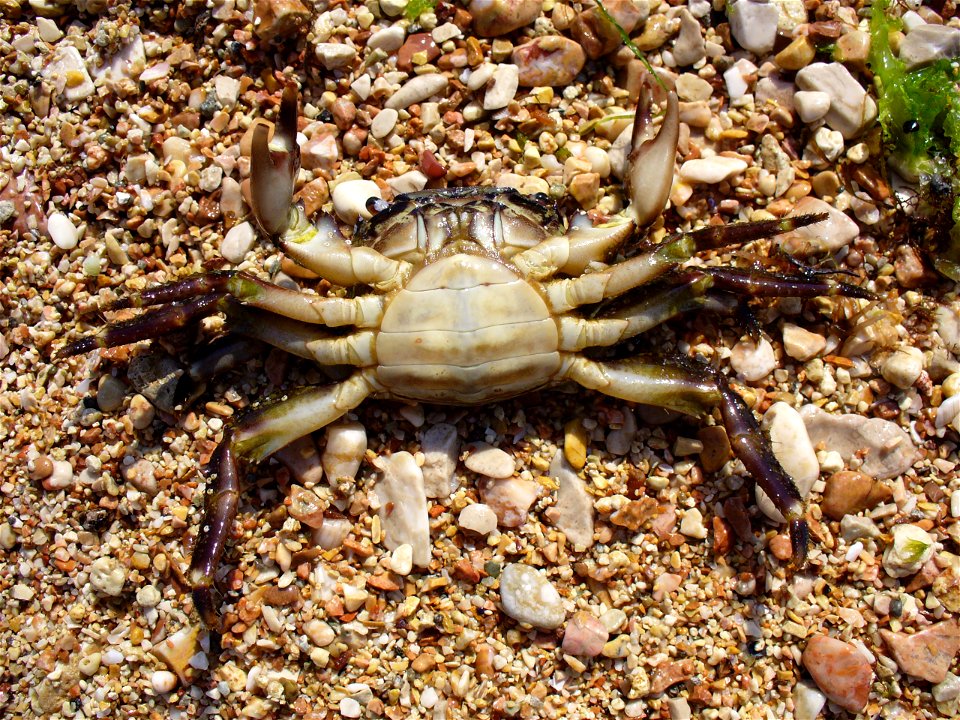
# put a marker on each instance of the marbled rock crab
(466, 307)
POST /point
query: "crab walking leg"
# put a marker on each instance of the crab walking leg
(305, 341)
(678, 388)
(573, 252)
(257, 436)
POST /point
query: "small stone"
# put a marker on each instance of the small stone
(335, 55)
(549, 60)
(107, 576)
(142, 412)
(419, 48)
(573, 512)
(692, 524)
(849, 491)
(238, 242)
(851, 110)
(163, 681)
(178, 650)
(529, 598)
(927, 654)
(711, 170)
(319, 632)
(584, 635)
(142, 475)
(827, 236)
(493, 18)
(440, 445)
(417, 89)
(388, 39)
(332, 533)
(927, 43)
(716, 447)
(384, 123)
(792, 447)
(90, 663)
(510, 499)
(61, 476)
(811, 105)
(306, 506)
(62, 231)
(585, 189)
(840, 670)
(808, 701)
(885, 449)
(597, 35)
(753, 361)
(753, 24)
(346, 444)
(693, 88)
(67, 74)
(801, 344)
(908, 550)
(401, 560)
(798, 54)
(110, 393)
(902, 368)
(490, 461)
(403, 505)
(274, 19)
(503, 87)
(350, 708)
(478, 518)
(689, 47)
(353, 597)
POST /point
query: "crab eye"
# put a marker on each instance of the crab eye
(911, 126)
(376, 205)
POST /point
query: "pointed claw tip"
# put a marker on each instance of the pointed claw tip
(799, 541)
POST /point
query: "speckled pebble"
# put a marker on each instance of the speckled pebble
(478, 518)
(529, 598)
(107, 576)
(163, 681)
(753, 361)
(840, 670)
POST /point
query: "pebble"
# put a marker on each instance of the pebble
(332, 533)
(163, 681)
(801, 344)
(62, 231)
(792, 447)
(178, 650)
(384, 123)
(798, 54)
(493, 18)
(401, 560)
(319, 632)
(811, 105)
(692, 524)
(417, 89)
(65, 62)
(884, 447)
(620, 440)
(90, 663)
(107, 576)
(910, 547)
(753, 361)
(142, 412)
(573, 511)
(947, 689)
(148, 596)
(840, 670)
(60, 477)
(827, 236)
(693, 88)
(440, 445)
(403, 505)
(238, 242)
(808, 701)
(851, 110)
(505, 80)
(928, 653)
(689, 47)
(753, 24)
(353, 597)
(510, 499)
(490, 461)
(478, 518)
(947, 322)
(350, 708)
(306, 506)
(927, 43)
(847, 492)
(388, 39)
(142, 475)
(335, 55)
(711, 170)
(528, 597)
(584, 635)
(549, 60)
(350, 199)
(902, 368)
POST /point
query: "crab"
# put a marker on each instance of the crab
(473, 298)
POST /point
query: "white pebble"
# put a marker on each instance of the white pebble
(711, 170)
(401, 559)
(344, 451)
(350, 708)
(440, 446)
(479, 518)
(107, 576)
(163, 681)
(490, 461)
(237, 242)
(384, 123)
(350, 199)
(830, 143)
(388, 39)
(528, 597)
(811, 104)
(792, 447)
(417, 90)
(808, 701)
(506, 79)
(335, 55)
(753, 361)
(955, 504)
(63, 232)
(909, 549)
(62, 476)
(428, 698)
(112, 657)
(403, 505)
(692, 524)
(903, 367)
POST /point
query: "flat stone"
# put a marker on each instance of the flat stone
(549, 60)
(792, 447)
(798, 54)
(902, 367)
(753, 24)
(528, 597)
(801, 344)
(811, 105)
(346, 444)
(711, 170)
(753, 361)
(851, 110)
(490, 461)
(306, 506)
(840, 670)
(584, 635)
(506, 79)
(927, 43)
(828, 236)
(238, 242)
(928, 653)
(693, 88)
(335, 55)
(417, 89)
(848, 492)
(478, 518)
(492, 18)
(510, 499)
(440, 445)
(573, 512)
(403, 505)
(808, 701)
(884, 447)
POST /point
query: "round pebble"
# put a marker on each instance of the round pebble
(753, 361)
(62, 231)
(350, 708)
(490, 461)
(163, 681)
(107, 576)
(478, 518)
(529, 598)
(238, 242)
(350, 199)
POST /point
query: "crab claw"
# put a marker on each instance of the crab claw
(650, 173)
(273, 167)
